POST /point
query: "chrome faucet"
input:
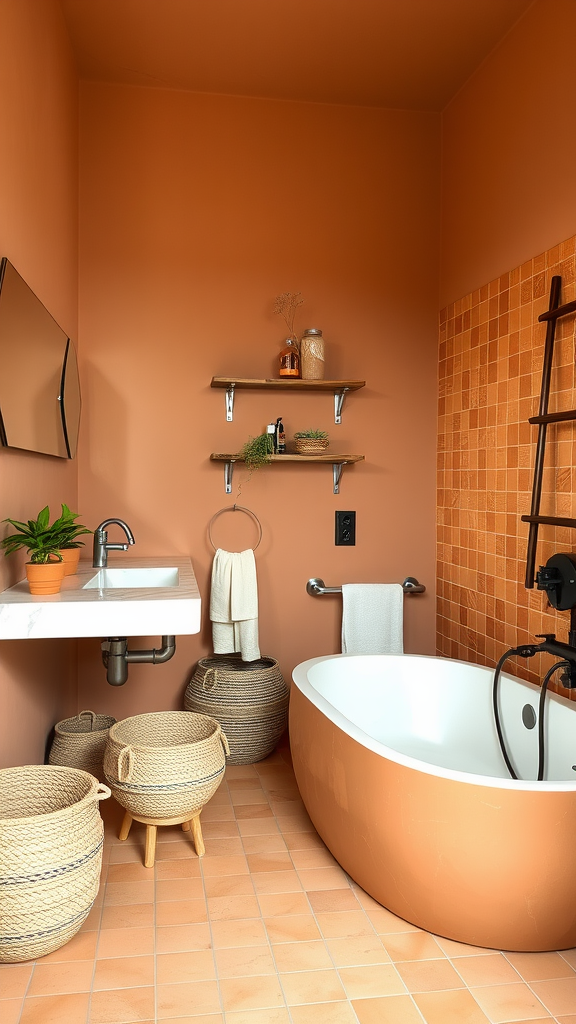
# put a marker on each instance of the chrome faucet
(101, 545)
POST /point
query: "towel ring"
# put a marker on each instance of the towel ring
(235, 508)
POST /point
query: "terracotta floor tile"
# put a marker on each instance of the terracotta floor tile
(343, 924)
(251, 797)
(227, 908)
(180, 938)
(411, 946)
(276, 881)
(229, 934)
(223, 847)
(92, 922)
(428, 975)
(455, 949)
(231, 865)
(540, 966)
(288, 808)
(569, 955)
(312, 986)
(81, 947)
(294, 823)
(257, 827)
(388, 1010)
(62, 1009)
(126, 854)
(229, 885)
(508, 1003)
(302, 956)
(244, 961)
(125, 942)
(179, 889)
(202, 1018)
(183, 850)
(176, 1000)
(486, 970)
(185, 912)
(264, 844)
(185, 867)
(385, 922)
(217, 812)
(324, 1013)
(357, 952)
(284, 904)
(10, 1010)
(57, 979)
(131, 872)
(270, 861)
(14, 980)
(219, 829)
(253, 810)
(272, 1015)
(243, 781)
(371, 980)
(139, 915)
(570, 1019)
(303, 841)
(298, 928)
(315, 858)
(456, 1007)
(558, 996)
(251, 993)
(125, 893)
(196, 965)
(323, 878)
(332, 899)
(124, 972)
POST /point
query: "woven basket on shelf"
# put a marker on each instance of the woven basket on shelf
(80, 742)
(311, 445)
(166, 763)
(51, 837)
(249, 699)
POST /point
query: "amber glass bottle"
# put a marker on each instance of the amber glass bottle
(289, 360)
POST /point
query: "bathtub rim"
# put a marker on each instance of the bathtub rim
(300, 678)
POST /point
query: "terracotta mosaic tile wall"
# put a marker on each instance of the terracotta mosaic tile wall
(491, 351)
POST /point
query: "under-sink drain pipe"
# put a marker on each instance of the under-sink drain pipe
(116, 657)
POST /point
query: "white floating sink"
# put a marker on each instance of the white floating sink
(110, 579)
(133, 597)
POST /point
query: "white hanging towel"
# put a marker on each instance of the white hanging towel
(372, 618)
(234, 604)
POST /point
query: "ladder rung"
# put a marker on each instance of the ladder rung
(554, 417)
(549, 521)
(554, 314)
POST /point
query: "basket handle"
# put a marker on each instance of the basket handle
(225, 744)
(126, 754)
(102, 793)
(212, 672)
(92, 718)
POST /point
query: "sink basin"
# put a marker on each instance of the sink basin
(109, 579)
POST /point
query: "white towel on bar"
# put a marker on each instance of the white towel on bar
(234, 604)
(372, 618)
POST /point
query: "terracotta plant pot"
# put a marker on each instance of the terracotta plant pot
(70, 557)
(44, 578)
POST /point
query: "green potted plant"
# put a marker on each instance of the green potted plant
(45, 570)
(256, 451)
(68, 532)
(311, 442)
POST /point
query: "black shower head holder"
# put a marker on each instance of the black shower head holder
(558, 579)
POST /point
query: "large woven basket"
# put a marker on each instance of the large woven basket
(80, 742)
(249, 699)
(51, 837)
(166, 763)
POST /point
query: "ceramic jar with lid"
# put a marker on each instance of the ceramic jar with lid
(312, 354)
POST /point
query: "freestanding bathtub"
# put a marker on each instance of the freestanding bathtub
(398, 764)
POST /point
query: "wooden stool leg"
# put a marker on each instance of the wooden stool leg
(150, 846)
(197, 835)
(185, 826)
(125, 826)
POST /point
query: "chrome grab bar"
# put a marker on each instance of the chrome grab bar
(316, 587)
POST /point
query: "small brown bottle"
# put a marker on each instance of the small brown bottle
(289, 360)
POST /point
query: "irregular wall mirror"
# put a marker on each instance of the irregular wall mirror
(39, 386)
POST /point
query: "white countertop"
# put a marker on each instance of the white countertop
(133, 611)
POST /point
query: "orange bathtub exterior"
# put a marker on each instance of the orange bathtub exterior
(486, 866)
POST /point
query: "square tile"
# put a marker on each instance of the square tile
(244, 962)
(312, 987)
(452, 1007)
(122, 1006)
(508, 1003)
(371, 980)
(387, 1010)
(124, 972)
(177, 1000)
(251, 993)
(61, 1009)
(194, 965)
(303, 955)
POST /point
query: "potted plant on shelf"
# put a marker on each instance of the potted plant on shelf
(68, 532)
(256, 451)
(45, 570)
(311, 442)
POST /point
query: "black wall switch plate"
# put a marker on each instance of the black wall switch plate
(345, 528)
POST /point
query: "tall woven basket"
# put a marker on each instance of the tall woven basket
(80, 742)
(249, 699)
(166, 763)
(51, 837)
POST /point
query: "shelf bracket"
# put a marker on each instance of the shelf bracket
(338, 403)
(228, 471)
(230, 403)
(337, 468)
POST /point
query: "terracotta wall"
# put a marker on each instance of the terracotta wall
(509, 150)
(196, 211)
(491, 351)
(38, 233)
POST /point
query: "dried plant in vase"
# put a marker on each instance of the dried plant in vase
(285, 305)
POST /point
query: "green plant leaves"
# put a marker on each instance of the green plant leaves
(40, 539)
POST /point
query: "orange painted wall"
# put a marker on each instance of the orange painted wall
(509, 150)
(195, 212)
(38, 233)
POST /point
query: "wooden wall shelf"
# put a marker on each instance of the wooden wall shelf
(339, 389)
(338, 462)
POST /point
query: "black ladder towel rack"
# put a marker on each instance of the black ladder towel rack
(552, 314)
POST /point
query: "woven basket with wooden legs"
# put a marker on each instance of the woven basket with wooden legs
(163, 768)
